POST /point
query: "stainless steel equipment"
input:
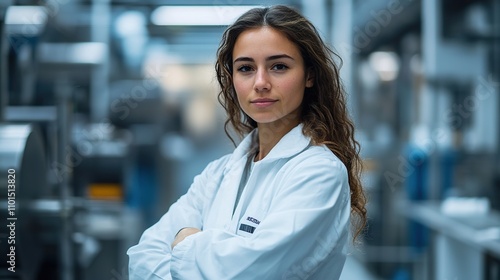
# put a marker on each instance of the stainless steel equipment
(22, 157)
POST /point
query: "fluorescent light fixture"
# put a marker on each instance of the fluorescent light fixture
(197, 15)
(131, 23)
(25, 20)
(386, 64)
(72, 53)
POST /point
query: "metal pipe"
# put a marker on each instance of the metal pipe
(99, 91)
(4, 51)
(343, 40)
(63, 92)
(496, 67)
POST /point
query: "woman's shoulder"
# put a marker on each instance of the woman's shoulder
(316, 158)
(314, 168)
(320, 154)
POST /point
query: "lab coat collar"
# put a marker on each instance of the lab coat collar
(291, 144)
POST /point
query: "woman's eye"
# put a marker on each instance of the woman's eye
(280, 67)
(244, 68)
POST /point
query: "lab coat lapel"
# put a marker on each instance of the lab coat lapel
(221, 211)
(291, 144)
(228, 190)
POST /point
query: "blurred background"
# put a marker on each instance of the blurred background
(108, 109)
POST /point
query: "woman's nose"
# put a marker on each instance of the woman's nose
(262, 82)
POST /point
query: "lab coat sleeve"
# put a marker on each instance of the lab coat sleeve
(307, 224)
(150, 258)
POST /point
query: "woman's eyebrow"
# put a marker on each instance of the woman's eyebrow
(279, 56)
(243, 58)
(272, 57)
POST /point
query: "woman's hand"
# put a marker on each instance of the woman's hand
(183, 233)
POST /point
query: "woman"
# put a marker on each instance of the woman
(279, 206)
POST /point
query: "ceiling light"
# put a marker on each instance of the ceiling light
(25, 20)
(197, 15)
(386, 64)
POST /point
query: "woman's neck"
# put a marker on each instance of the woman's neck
(271, 133)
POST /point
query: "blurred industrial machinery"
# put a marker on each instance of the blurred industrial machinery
(427, 103)
(66, 226)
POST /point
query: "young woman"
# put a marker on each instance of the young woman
(279, 206)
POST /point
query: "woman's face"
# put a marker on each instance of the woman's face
(269, 76)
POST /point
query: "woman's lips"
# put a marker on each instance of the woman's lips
(262, 103)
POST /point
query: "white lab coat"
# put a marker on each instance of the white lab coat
(291, 221)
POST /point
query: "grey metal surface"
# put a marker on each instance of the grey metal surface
(480, 231)
(22, 156)
(21, 149)
(30, 113)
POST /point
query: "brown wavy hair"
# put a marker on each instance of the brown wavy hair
(323, 114)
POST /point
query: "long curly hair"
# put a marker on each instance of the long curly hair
(323, 113)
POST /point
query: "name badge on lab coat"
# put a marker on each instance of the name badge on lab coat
(247, 226)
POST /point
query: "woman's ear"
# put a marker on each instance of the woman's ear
(310, 79)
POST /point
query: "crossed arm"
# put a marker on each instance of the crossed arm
(183, 233)
(308, 217)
